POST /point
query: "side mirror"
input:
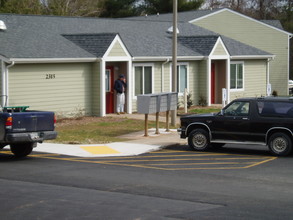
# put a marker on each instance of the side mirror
(221, 113)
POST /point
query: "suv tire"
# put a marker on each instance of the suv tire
(199, 140)
(280, 144)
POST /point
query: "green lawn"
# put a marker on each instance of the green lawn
(204, 110)
(95, 130)
(99, 130)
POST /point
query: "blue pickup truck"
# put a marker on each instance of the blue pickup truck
(23, 129)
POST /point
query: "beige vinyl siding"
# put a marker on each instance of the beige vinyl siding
(193, 81)
(167, 77)
(254, 80)
(63, 88)
(157, 77)
(117, 51)
(251, 32)
(96, 84)
(202, 79)
(219, 50)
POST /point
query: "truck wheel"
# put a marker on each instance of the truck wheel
(22, 149)
(280, 144)
(199, 140)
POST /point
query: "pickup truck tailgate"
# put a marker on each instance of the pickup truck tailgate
(31, 121)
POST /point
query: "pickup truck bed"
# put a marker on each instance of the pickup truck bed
(22, 129)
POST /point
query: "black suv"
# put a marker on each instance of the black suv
(266, 121)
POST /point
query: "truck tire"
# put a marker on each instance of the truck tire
(280, 144)
(199, 140)
(22, 149)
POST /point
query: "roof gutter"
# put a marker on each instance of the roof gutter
(163, 59)
(253, 57)
(54, 60)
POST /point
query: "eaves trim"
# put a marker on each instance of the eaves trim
(54, 60)
(243, 57)
(154, 59)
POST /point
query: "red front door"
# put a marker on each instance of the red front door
(109, 78)
(213, 78)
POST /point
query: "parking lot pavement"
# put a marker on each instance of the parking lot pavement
(134, 144)
(169, 159)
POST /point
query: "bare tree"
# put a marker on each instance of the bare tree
(74, 7)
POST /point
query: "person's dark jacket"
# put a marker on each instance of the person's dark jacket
(118, 86)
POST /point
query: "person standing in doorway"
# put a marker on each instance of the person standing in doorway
(120, 87)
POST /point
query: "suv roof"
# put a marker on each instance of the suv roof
(269, 98)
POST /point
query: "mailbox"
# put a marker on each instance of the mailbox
(173, 100)
(160, 102)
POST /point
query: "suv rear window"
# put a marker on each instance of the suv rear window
(275, 109)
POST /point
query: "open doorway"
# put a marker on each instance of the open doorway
(218, 80)
(113, 70)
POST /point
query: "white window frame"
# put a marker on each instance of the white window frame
(178, 83)
(143, 65)
(243, 76)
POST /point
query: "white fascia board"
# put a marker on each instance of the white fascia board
(219, 41)
(206, 16)
(115, 40)
(154, 59)
(260, 57)
(242, 15)
(54, 60)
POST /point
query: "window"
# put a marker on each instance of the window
(275, 109)
(143, 80)
(181, 78)
(236, 76)
(237, 109)
(108, 80)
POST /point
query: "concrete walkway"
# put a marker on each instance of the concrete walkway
(134, 144)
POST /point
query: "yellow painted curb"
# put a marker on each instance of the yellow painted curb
(100, 150)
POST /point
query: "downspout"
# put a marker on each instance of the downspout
(163, 64)
(3, 90)
(269, 86)
(5, 82)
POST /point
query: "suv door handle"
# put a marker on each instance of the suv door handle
(245, 118)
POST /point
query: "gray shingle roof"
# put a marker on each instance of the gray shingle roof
(74, 37)
(200, 44)
(96, 44)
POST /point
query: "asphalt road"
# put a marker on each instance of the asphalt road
(174, 183)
